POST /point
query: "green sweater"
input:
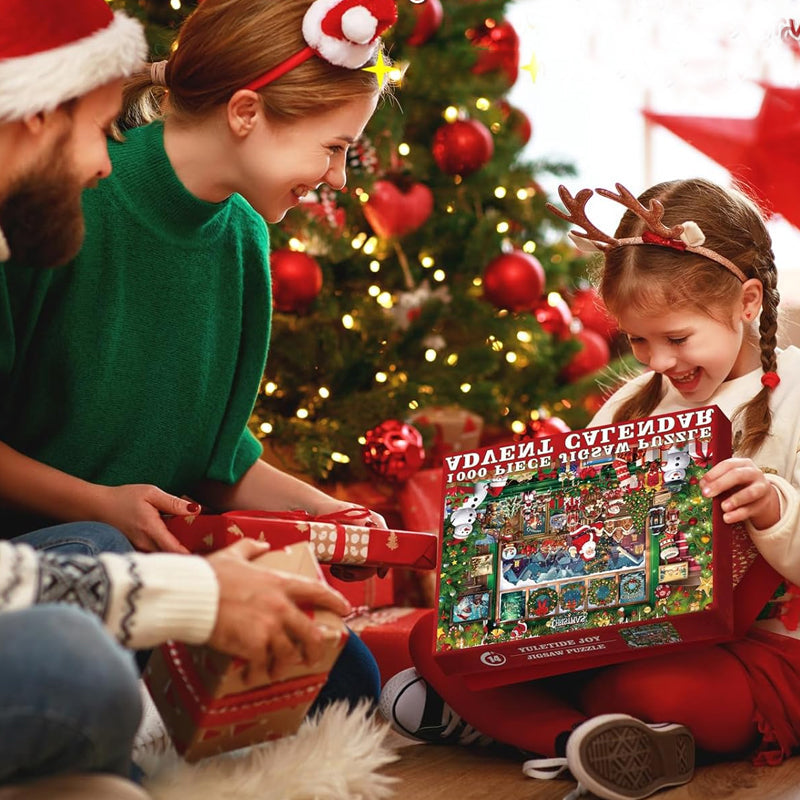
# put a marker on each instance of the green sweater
(140, 361)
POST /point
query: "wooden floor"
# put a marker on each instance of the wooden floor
(429, 772)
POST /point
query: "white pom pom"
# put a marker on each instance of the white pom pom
(358, 25)
(692, 235)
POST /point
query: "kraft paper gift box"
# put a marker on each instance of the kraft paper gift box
(587, 548)
(335, 539)
(207, 705)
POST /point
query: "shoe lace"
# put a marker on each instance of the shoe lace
(461, 730)
(545, 769)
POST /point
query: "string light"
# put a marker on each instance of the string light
(324, 392)
(430, 355)
(371, 245)
(381, 377)
(522, 194)
(266, 427)
(270, 387)
(500, 192)
(384, 300)
(451, 114)
(362, 440)
(374, 266)
(452, 359)
(374, 290)
(439, 275)
(176, 4)
(340, 458)
(529, 247)
(296, 245)
(427, 261)
(450, 208)
(502, 227)
(348, 322)
(414, 405)
(518, 426)
(363, 196)
(482, 104)
(302, 413)
(466, 387)
(358, 242)
(403, 149)
(511, 357)
(524, 337)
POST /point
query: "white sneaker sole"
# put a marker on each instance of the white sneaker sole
(618, 757)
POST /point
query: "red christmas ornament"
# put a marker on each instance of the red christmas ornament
(543, 428)
(462, 147)
(296, 280)
(514, 281)
(554, 315)
(516, 121)
(499, 46)
(593, 355)
(394, 450)
(429, 17)
(588, 307)
(391, 211)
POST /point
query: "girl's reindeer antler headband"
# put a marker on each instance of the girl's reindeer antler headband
(343, 32)
(687, 236)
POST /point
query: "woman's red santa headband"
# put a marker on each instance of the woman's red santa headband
(343, 32)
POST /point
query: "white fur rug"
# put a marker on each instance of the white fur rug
(335, 756)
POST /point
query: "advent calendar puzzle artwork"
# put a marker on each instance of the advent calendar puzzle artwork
(583, 548)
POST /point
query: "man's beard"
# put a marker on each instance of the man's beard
(41, 215)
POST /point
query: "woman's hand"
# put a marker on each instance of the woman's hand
(750, 495)
(136, 509)
(348, 572)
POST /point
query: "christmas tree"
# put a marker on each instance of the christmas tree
(437, 278)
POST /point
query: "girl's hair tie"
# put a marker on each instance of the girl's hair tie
(770, 379)
(158, 73)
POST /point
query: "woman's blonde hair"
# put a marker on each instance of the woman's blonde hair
(648, 277)
(224, 45)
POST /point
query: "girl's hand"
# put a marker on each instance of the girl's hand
(751, 495)
(135, 509)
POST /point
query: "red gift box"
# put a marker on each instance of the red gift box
(386, 632)
(421, 501)
(588, 548)
(334, 539)
(374, 592)
(212, 703)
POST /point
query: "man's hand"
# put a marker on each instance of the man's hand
(259, 617)
(751, 495)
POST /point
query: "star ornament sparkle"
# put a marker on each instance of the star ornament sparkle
(381, 69)
(531, 67)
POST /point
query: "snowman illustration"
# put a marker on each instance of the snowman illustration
(463, 518)
(673, 467)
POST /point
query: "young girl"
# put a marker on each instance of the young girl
(695, 291)
(128, 377)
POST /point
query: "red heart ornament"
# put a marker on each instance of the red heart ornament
(393, 212)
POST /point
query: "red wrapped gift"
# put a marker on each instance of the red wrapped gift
(204, 700)
(421, 501)
(587, 548)
(374, 592)
(454, 429)
(386, 633)
(336, 539)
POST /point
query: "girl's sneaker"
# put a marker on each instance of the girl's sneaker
(415, 710)
(618, 757)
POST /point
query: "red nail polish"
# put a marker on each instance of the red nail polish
(194, 508)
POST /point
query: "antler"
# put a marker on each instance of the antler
(651, 215)
(577, 215)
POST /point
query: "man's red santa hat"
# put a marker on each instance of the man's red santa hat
(343, 32)
(54, 50)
